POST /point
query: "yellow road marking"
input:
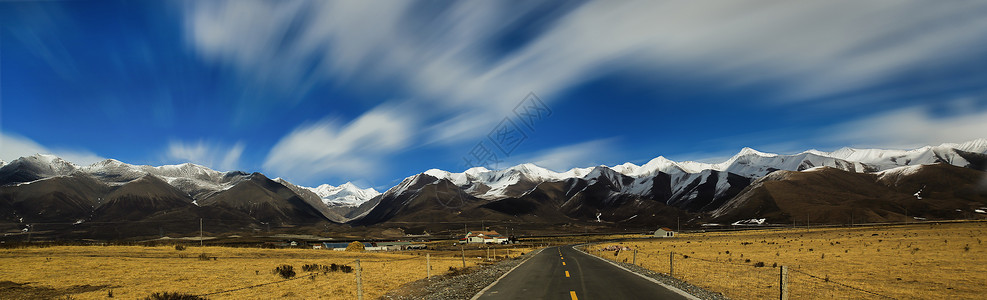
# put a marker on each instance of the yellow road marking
(573, 295)
(563, 263)
(566, 273)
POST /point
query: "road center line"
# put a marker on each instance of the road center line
(563, 263)
(566, 273)
(573, 295)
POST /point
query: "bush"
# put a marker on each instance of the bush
(285, 271)
(179, 247)
(315, 268)
(205, 256)
(327, 269)
(173, 296)
(759, 264)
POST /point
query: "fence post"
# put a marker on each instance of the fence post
(428, 266)
(634, 260)
(671, 264)
(783, 283)
(359, 282)
(488, 253)
(463, 252)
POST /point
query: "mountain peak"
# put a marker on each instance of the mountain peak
(750, 151)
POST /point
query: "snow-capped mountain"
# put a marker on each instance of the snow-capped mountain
(346, 194)
(197, 181)
(660, 189)
(692, 185)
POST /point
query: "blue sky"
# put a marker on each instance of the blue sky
(372, 92)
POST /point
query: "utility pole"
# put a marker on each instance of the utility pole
(200, 232)
(463, 253)
(678, 225)
(428, 266)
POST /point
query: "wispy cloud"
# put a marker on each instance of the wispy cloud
(13, 147)
(579, 155)
(220, 157)
(352, 150)
(910, 127)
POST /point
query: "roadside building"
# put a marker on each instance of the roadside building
(664, 232)
(484, 237)
(338, 246)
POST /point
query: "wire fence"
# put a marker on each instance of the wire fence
(427, 271)
(741, 278)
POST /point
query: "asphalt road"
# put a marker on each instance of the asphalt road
(565, 273)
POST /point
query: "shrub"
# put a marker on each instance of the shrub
(285, 271)
(315, 268)
(759, 264)
(173, 296)
(179, 247)
(205, 256)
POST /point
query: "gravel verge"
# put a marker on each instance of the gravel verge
(460, 286)
(672, 281)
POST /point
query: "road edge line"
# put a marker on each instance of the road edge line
(669, 287)
(484, 290)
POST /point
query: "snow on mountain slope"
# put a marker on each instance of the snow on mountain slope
(690, 179)
(47, 165)
(346, 194)
(199, 182)
(887, 159)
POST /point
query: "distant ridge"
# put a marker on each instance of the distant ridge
(869, 184)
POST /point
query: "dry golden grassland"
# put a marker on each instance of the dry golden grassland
(918, 261)
(133, 272)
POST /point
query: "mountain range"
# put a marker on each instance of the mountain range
(847, 185)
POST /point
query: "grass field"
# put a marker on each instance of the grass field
(133, 272)
(921, 261)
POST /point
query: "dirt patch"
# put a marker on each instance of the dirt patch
(14, 290)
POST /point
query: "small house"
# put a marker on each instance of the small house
(664, 232)
(485, 237)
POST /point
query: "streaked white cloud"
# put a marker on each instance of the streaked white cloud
(348, 150)
(13, 147)
(219, 157)
(806, 49)
(910, 127)
(563, 158)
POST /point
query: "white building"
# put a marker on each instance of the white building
(484, 237)
(664, 232)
